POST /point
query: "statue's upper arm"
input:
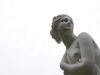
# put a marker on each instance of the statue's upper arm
(87, 50)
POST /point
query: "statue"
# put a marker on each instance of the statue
(82, 55)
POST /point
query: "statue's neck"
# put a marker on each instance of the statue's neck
(68, 39)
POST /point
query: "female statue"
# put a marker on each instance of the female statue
(82, 55)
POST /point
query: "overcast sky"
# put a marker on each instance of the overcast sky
(26, 47)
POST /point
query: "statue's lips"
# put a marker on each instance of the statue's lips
(68, 28)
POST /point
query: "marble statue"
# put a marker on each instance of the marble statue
(82, 55)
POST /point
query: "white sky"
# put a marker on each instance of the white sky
(26, 47)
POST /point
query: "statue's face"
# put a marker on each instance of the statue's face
(65, 24)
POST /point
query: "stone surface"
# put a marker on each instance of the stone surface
(82, 55)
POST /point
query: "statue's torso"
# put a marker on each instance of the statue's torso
(73, 54)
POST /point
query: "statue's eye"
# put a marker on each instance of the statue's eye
(64, 20)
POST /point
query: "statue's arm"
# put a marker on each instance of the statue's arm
(87, 54)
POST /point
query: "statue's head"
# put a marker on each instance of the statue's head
(55, 24)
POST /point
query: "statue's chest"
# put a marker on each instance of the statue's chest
(74, 53)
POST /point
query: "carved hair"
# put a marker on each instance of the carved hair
(55, 23)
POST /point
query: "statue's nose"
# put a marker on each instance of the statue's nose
(68, 24)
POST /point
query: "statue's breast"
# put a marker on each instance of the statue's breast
(74, 53)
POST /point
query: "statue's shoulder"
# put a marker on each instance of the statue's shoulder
(84, 35)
